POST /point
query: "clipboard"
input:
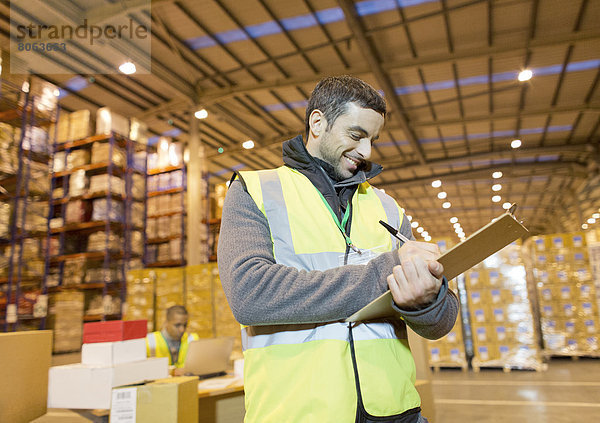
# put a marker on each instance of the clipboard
(486, 241)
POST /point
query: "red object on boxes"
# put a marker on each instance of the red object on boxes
(114, 330)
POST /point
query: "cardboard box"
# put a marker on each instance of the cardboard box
(115, 330)
(83, 386)
(108, 121)
(172, 400)
(110, 353)
(26, 358)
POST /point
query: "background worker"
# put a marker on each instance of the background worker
(301, 249)
(172, 341)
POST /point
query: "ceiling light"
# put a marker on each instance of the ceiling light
(506, 205)
(584, 226)
(127, 68)
(201, 114)
(447, 205)
(497, 175)
(496, 187)
(427, 238)
(456, 225)
(414, 224)
(220, 150)
(525, 75)
(453, 219)
(515, 143)
(25, 87)
(596, 215)
(458, 230)
(442, 195)
(409, 217)
(436, 184)
(424, 234)
(420, 229)
(496, 198)
(248, 144)
(591, 220)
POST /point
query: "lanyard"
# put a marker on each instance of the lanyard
(342, 225)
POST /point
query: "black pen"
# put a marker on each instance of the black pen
(394, 232)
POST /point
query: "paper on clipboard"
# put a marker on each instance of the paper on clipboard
(486, 241)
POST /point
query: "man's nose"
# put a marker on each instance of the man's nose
(364, 148)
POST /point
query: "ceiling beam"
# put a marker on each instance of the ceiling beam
(368, 50)
(490, 155)
(573, 169)
(210, 96)
(100, 14)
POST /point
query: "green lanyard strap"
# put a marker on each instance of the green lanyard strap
(342, 225)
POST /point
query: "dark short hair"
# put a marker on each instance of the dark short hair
(176, 309)
(333, 93)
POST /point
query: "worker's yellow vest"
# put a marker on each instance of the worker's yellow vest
(156, 346)
(304, 373)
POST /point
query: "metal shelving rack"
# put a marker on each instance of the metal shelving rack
(19, 108)
(122, 226)
(181, 212)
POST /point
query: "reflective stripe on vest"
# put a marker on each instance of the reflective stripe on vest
(265, 336)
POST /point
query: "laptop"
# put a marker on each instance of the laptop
(208, 357)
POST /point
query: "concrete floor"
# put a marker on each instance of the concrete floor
(569, 391)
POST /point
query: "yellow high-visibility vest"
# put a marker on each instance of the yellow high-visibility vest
(304, 373)
(156, 346)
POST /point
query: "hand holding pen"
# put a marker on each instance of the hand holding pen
(416, 282)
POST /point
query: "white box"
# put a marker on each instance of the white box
(108, 121)
(84, 386)
(110, 353)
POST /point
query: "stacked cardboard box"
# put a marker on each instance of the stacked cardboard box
(140, 296)
(73, 126)
(566, 292)
(108, 121)
(502, 320)
(65, 317)
(106, 183)
(113, 354)
(169, 290)
(101, 154)
(199, 299)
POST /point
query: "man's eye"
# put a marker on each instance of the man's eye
(355, 137)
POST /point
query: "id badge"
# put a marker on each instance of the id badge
(362, 257)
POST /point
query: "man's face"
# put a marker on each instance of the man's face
(346, 145)
(176, 325)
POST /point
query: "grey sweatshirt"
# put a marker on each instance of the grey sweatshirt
(263, 292)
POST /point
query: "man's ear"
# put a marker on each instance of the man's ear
(317, 123)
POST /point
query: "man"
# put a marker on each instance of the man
(171, 341)
(301, 249)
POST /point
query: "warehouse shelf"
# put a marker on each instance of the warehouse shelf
(165, 191)
(119, 139)
(90, 196)
(166, 214)
(161, 240)
(25, 165)
(166, 169)
(166, 263)
(92, 168)
(99, 317)
(84, 286)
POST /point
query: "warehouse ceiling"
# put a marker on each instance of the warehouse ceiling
(448, 70)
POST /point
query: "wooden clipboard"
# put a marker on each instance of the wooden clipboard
(486, 241)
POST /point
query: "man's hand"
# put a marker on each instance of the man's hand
(416, 282)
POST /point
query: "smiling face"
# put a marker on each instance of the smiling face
(346, 144)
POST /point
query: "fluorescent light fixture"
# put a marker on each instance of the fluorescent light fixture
(127, 68)
(436, 184)
(596, 215)
(25, 87)
(442, 195)
(453, 219)
(506, 206)
(496, 198)
(201, 114)
(525, 75)
(591, 220)
(420, 229)
(515, 143)
(496, 187)
(456, 225)
(248, 144)
(409, 217)
(425, 234)
(414, 224)
(584, 226)
(497, 175)
(427, 238)
(458, 230)
(447, 205)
